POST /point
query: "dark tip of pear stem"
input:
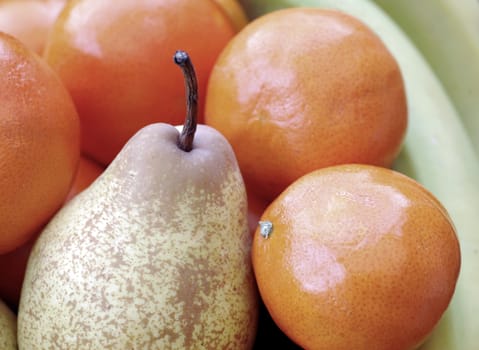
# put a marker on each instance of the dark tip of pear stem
(185, 140)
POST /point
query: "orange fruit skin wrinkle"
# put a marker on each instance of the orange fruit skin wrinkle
(358, 258)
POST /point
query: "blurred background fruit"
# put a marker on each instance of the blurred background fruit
(235, 12)
(29, 21)
(447, 34)
(39, 143)
(115, 58)
(359, 257)
(300, 89)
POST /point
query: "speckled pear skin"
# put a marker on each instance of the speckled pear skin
(8, 328)
(155, 254)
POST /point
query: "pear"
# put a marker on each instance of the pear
(155, 254)
(8, 328)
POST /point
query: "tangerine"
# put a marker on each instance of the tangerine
(303, 88)
(39, 143)
(114, 57)
(356, 257)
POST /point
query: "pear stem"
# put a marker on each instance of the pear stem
(185, 140)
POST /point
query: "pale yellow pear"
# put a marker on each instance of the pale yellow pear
(8, 328)
(155, 254)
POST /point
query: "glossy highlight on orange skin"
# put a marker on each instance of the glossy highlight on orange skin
(116, 60)
(360, 257)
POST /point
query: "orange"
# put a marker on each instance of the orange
(358, 257)
(29, 21)
(14, 263)
(235, 12)
(39, 143)
(116, 60)
(303, 88)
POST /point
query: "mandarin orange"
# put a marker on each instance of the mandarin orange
(39, 143)
(303, 88)
(114, 57)
(356, 257)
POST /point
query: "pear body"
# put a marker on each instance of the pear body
(8, 328)
(155, 254)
